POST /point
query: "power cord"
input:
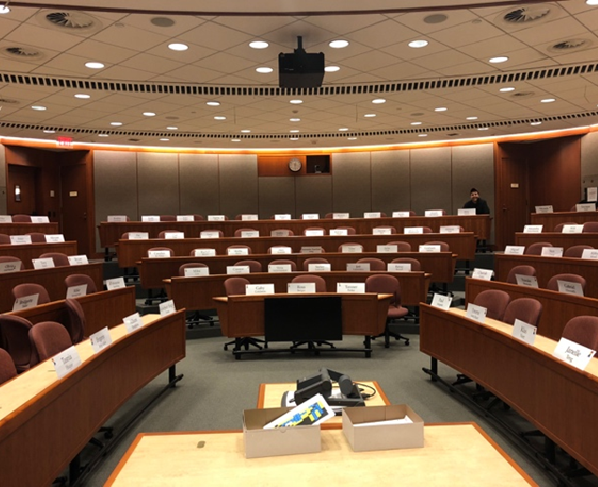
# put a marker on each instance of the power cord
(366, 395)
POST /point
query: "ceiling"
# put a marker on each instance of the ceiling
(552, 51)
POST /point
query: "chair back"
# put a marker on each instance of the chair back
(313, 260)
(14, 331)
(47, 339)
(348, 244)
(495, 301)
(375, 263)
(553, 285)
(167, 218)
(583, 330)
(402, 246)
(190, 265)
(524, 309)
(427, 230)
(29, 289)
(293, 264)
(37, 237)
(78, 279)
(158, 249)
(384, 283)
(239, 231)
(7, 367)
(235, 286)
(577, 250)
(4, 239)
(444, 247)
(350, 230)
(60, 259)
(415, 264)
(536, 248)
(197, 218)
(524, 270)
(254, 265)
(21, 219)
(76, 323)
(588, 227)
(317, 280)
(163, 233)
(10, 258)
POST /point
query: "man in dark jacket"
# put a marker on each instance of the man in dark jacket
(480, 205)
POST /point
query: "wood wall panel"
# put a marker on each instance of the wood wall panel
(589, 161)
(313, 194)
(198, 174)
(158, 183)
(3, 189)
(391, 186)
(431, 179)
(278, 165)
(351, 183)
(238, 183)
(277, 195)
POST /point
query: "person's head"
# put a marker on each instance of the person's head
(474, 195)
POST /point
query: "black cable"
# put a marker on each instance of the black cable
(366, 395)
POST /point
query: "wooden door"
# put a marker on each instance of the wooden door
(73, 203)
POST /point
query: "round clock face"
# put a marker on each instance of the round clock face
(294, 164)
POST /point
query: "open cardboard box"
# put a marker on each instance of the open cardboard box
(382, 437)
(279, 441)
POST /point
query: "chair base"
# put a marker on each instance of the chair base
(311, 345)
(246, 342)
(387, 334)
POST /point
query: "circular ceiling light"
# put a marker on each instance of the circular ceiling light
(149, 114)
(94, 65)
(547, 100)
(82, 96)
(535, 123)
(219, 117)
(294, 138)
(4, 9)
(245, 131)
(102, 135)
(369, 115)
(483, 128)
(235, 140)
(351, 138)
(164, 139)
(338, 43)
(379, 100)
(422, 135)
(471, 118)
(507, 88)
(416, 123)
(344, 129)
(440, 109)
(172, 128)
(116, 124)
(178, 47)
(258, 44)
(213, 103)
(295, 119)
(592, 2)
(264, 70)
(49, 131)
(498, 59)
(39, 108)
(331, 69)
(296, 102)
(295, 131)
(418, 43)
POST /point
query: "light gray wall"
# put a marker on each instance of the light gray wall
(158, 183)
(198, 180)
(391, 185)
(431, 179)
(238, 183)
(277, 195)
(351, 183)
(3, 195)
(313, 194)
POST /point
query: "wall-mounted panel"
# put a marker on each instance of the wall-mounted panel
(473, 167)
(313, 194)
(158, 183)
(198, 175)
(390, 181)
(276, 195)
(352, 183)
(431, 179)
(3, 210)
(238, 183)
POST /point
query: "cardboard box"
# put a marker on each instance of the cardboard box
(382, 437)
(280, 441)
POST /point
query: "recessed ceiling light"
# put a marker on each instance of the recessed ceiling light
(296, 102)
(93, 65)
(264, 70)
(507, 88)
(164, 139)
(379, 100)
(178, 47)
(235, 140)
(149, 114)
(416, 123)
(440, 109)
(418, 43)
(172, 128)
(344, 129)
(116, 123)
(338, 43)
(537, 123)
(294, 138)
(498, 59)
(219, 117)
(245, 131)
(295, 119)
(213, 103)
(258, 44)
(547, 100)
(422, 135)
(369, 115)
(102, 135)
(592, 2)
(39, 108)
(471, 118)
(49, 131)
(331, 69)
(294, 131)
(4, 9)
(82, 96)
(483, 128)
(351, 138)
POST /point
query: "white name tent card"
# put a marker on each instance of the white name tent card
(237, 269)
(76, 291)
(339, 231)
(301, 287)
(371, 214)
(312, 250)
(133, 323)
(45, 263)
(442, 302)
(450, 228)
(382, 231)
(158, 253)
(100, 340)
(150, 218)
(280, 233)
(54, 238)
(138, 235)
(66, 361)
(252, 289)
(314, 233)
(282, 250)
(358, 267)
(589, 254)
(239, 251)
(284, 216)
(400, 214)
(216, 218)
(529, 281)
(249, 217)
(476, 313)
(524, 332)
(318, 267)
(483, 274)
(185, 218)
(10, 266)
(573, 353)
(570, 287)
(116, 283)
(25, 302)
(209, 234)
(5, 219)
(196, 271)
(167, 308)
(413, 230)
(205, 252)
(351, 249)
(250, 233)
(429, 248)
(310, 216)
(433, 213)
(117, 218)
(466, 211)
(552, 252)
(583, 207)
(174, 235)
(20, 240)
(397, 267)
(386, 249)
(514, 250)
(280, 268)
(350, 287)
(78, 260)
(340, 216)
(40, 219)
(532, 229)
(544, 209)
(572, 228)
(592, 194)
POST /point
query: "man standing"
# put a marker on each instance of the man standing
(480, 205)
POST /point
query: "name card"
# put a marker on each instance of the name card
(552, 252)
(204, 252)
(529, 281)
(196, 271)
(54, 238)
(301, 287)
(429, 248)
(514, 250)
(40, 219)
(310, 216)
(250, 234)
(442, 302)
(116, 283)
(249, 217)
(138, 235)
(450, 228)
(150, 218)
(285, 216)
(78, 260)
(572, 228)
(20, 240)
(382, 231)
(45, 263)
(358, 267)
(25, 302)
(185, 218)
(483, 274)
(413, 230)
(581, 207)
(76, 291)
(158, 253)
(281, 250)
(532, 229)
(466, 211)
(66, 361)
(252, 289)
(237, 269)
(589, 254)
(386, 249)
(400, 214)
(476, 313)
(100, 340)
(340, 216)
(167, 308)
(544, 209)
(524, 331)
(339, 231)
(5, 219)
(573, 353)
(239, 251)
(314, 233)
(133, 323)
(280, 268)
(117, 218)
(397, 267)
(351, 249)
(318, 267)
(350, 287)
(13, 266)
(174, 235)
(312, 250)
(433, 213)
(280, 233)
(592, 194)
(209, 234)
(570, 287)
(216, 218)
(372, 214)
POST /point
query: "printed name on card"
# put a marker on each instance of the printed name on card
(413, 230)
(382, 231)
(301, 287)
(372, 214)
(138, 235)
(5, 219)
(66, 361)
(76, 291)
(476, 313)
(155, 254)
(117, 218)
(196, 271)
(339, 231)
(524, 331)
(40, 219)
(237, 269)
(249, 217)
(54, 238)
(43, 263)
(237, 251)
(185, 218)
(312, 250)
(216, 218)
(589, 254)
(466, 211)
(483, 274)
(150, 218)
(358, 267)
(544, 209)
(100, 340)
(514, 250)
(386, 249)
(133, 322)
(20, 240)
(532, 229)
(10, 266)
(282, 217)
(252, 289)
(592, 194)
(167, 308)
(400, 214)
(530, 281)
(572, 228)
(314, 233)
(351, 249)
(574, 288)
(450, 229)
(174, 235)
(552, 252)
(25, 302)
(280, 268)
(350, 287)
(318, 267)
(583, 207)
(310, 216)
(442, 302)
(398, 267)
(78, 260)
(209, 234)
(250, 233)
(432, 213)
(116, 283)
(204, 252)
(340, 216)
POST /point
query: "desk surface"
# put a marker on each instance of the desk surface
(174, 460)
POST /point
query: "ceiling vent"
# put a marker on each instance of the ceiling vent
(569, 45)
(527, 13)
(74, 22)
(8, 101)
(162, 21)
(523, 94)
(23, 52)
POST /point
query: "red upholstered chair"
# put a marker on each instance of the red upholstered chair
(524, 270)
(239, 247)
(125, 236)
(7, 367)
(4, 239)
(239, 231)
(29, 289)
(190, 265)
(350, 230)
(375, 263)
(21, 219)
(349, 244)
(14, 332)
(60, 259)
(387, 284)
(558, 228)
(10, 258)
(197, 218)
(79, 279)
(536, 248)
(37, 237)
(402, 246)
(167, 218)
(285, 262)
(313, 260)
(495, 301)
(317, 280)
(588, 227)
(415, 264)
(553, 285)
(254, 265)
(47, 339)
(282, 232)
(524, 309)
(163, 233)
(76, 323)
(428, 230)
(159, 249)
(577, 250)
(444, 247)
(235, 286)
(392, 229)
(583, 330)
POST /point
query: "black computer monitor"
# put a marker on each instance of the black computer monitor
(298, 319)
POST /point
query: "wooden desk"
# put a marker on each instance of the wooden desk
(564, 240)
(45, 422)
(104, 308)
(157, 460)
(551, 220)
(546, 267)
(198, 292)
(50, 228)
(34, 250)
(557, 308)
(152, 271)
(131, 251)
(557, 399)
(52, 279)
